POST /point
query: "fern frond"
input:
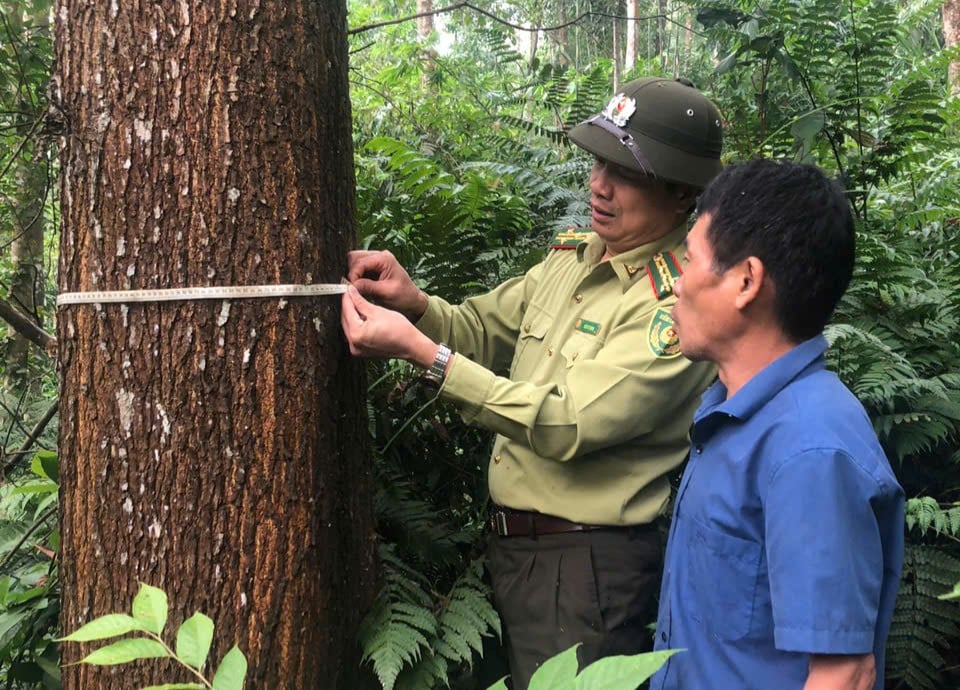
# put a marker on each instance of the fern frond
(922, 624)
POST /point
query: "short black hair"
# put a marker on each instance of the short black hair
(798, 222)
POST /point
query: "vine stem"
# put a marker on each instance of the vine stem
(856, 72)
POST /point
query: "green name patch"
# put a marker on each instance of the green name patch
(591, 327)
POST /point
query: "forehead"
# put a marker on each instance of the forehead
(632, 176)
(697, 240)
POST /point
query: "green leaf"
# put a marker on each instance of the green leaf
(46, 464)
(125, 651)
(101, 628)
(954, 594)
(726, 64)
(809, 125)
(150, 608)
(193, 640)
(176, 686)
(37, 486)
(232, 671)
(557, 672)
(622, 672)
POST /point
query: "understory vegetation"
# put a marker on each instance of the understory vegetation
(464, 173)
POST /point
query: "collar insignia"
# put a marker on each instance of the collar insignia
(619, 109)
(663, 270)
(570, 238)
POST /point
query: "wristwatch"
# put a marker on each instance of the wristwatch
(438, 369)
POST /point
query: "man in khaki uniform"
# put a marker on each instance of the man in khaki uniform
(598, 400)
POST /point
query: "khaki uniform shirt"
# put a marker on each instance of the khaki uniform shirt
(595, 410)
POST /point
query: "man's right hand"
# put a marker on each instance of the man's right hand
(380, 276)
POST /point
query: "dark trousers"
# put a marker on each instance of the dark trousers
(595, 588)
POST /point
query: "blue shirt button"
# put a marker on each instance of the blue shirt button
(699, 448)
(663, 636)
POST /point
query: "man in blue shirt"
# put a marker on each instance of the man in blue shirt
(787, 537)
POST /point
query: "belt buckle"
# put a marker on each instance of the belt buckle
(500, 523)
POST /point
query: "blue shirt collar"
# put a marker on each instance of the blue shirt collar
(764, 385)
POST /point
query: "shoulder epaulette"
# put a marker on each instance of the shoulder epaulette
(663, 270)
(570, 238)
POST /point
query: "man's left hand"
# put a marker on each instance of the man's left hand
(373, 331)
(841, 672)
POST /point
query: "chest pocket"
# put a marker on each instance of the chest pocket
(580, 347)
(722, 576)
(533, 330)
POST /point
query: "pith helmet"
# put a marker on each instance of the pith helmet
(659, 127)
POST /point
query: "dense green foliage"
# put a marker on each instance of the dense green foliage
(463, 171)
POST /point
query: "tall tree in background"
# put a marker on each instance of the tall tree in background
(630, 53)
(951, 35)
(213, 449)
(617, 59)
(424, 31)
(24, 22)
(661, 36)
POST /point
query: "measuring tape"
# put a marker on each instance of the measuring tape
(195, 293)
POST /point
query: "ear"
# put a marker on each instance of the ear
(751, 275)
(686, 197)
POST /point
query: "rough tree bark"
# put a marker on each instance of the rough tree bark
(213, 449)
(951, 35)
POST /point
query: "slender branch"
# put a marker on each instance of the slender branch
(856, 65)
(479, 10)
(813, 101)
(39, 427)
(26, 535)
(23, 143)
(25, 327)
(32, 437)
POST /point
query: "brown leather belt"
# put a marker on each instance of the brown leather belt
(522, 523)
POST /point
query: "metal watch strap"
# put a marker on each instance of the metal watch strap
(438, 369)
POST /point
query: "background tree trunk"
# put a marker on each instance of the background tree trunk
(630, 55)
(617, 59)
(213, 449)
(424, 30)
(951, 35)
(661, 37)
(424, 24)
(26, 254)
(30, 173)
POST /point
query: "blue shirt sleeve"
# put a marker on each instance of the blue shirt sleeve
(824, 554)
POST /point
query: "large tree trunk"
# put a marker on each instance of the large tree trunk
(951, 35)
(630, 58)
(213, 449)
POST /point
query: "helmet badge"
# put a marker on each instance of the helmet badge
(619, 109)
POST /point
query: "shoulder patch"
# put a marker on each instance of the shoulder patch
(570, 238)
(663, 270)
(662, 336)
